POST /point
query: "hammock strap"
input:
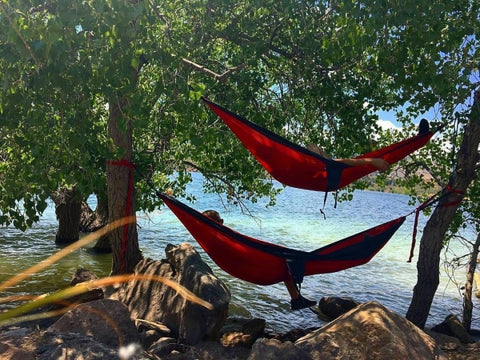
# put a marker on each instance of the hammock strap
(430, 201)
(297, 271)
(458, 192)
(130, 166)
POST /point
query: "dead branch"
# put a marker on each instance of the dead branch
(219, 77)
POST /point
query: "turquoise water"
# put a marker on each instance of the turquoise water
(296, 221)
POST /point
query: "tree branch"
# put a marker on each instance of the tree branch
(208, 177)
(29, 49)
(414, 166)
(219, 77)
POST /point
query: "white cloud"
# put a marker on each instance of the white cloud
(385, 124)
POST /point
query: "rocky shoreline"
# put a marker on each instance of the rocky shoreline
(150, 320)
(240, 339)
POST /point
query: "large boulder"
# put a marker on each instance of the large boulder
(370, 332)
(157, 302)
(32, 343)
(107, 321)
(73, 346)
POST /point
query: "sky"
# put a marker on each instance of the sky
(388, 119)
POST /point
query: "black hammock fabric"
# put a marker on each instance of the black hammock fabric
(264, 263)
(296, 166)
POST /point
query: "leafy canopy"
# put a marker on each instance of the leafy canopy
(313, 71)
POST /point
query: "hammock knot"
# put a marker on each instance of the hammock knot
(451, 190)
(122, 162)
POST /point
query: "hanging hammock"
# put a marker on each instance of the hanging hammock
(264, 263)
(299, 167)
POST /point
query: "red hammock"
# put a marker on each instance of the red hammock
(263, 263)
(299, 167)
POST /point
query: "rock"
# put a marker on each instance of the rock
(8, 351)
(150, 332)
(142, 325)
(370, 331)
(442, 328)
(27, 343)
(237, 338)
(163, 346)
(451, 326)
(73, 346)
(294, 334)
(266, 349)
(241, 332)
(14, 335)
(213, 350)
(18, 343)
(334, 307)
(82, 275)
(148, 337)
(445, 342)
(367, 332)
(108, 321)
(154, 301)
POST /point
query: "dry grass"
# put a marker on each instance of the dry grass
(17, 315)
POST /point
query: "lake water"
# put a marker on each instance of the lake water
(296, 222)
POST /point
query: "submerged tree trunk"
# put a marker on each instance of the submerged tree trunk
(121, 193)
(467, 296)
(103, 244)
(67, 210)
(92, 220)
(436, 227)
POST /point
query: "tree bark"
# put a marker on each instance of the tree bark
(67, 210)
(467, 296)
(103, 244)
(436, 227)
(121, 195)
(92, 220)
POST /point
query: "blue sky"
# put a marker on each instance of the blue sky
(388, 119)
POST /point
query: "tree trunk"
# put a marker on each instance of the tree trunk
(87, 218)
(436, 227)
(121, 195)
(103, 244)
(92, 220)
(467, 296)
(67, 210)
